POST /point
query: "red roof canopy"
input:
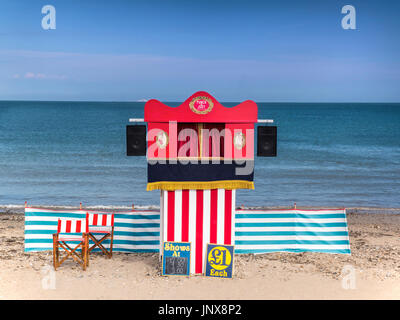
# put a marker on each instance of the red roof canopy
(200, 107)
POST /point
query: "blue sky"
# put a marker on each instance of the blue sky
(276, 51)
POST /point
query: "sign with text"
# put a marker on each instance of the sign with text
(176, 258)
(219, 261)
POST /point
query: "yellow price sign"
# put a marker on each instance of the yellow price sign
(219, 258)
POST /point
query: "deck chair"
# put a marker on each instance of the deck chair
(104, 224)
(69, 230)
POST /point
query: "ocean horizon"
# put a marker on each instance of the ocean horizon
(61, 153)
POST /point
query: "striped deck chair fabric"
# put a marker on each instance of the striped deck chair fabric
(71, 230)
(103, 224)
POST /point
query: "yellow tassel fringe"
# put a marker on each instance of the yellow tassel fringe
(200, 185)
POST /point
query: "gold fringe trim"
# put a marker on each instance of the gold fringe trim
(200, 185)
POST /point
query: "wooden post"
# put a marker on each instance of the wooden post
(55, 251)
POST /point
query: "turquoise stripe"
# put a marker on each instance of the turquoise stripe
(136, 234)
(149, 217)
(96, 250)
(289, 215)
(290, 224)
(341, 251)
(134, 242)
(56, 214)
(308, 242)
(40, 231)
(116, 233)
(46, 241)
(41, 223)
(117, 224)
(290, 233)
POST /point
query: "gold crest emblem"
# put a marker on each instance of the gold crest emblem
(201, 105)
(239, 140)
(162, 139)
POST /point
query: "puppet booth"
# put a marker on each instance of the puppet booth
(195, 153)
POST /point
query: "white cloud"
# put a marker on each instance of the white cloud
(31, 75)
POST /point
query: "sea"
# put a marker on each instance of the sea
(329, 155)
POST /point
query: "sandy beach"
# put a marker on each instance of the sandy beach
(375, 260)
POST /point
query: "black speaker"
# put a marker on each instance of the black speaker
(136, 140)
(266, 141)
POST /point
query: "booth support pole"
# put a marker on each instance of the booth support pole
(161, 224)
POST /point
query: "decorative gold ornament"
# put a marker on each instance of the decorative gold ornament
(162, 139)
(201, 105)
(239, 140)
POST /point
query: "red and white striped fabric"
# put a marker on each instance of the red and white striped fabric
(100, 222)
(198, 217)
(71, 226)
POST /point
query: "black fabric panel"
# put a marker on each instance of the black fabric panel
(198, 172)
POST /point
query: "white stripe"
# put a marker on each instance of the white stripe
(134, 238)
(73, 226)
(38, 218)
(63, 226)
(136, 221)
(311, 212)
(289, 229)
(300, 220)
(291, 246)
(53, 211)
(164, 218)
(192, 228)
(41, 227)
(160, 248)
(55, 218)
(135, 213)
(221, 216)
(206, 220)
(178, 216)
(49, 246)
(233, 217)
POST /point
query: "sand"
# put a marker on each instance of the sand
(375, 260)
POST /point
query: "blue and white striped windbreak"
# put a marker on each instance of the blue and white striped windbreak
(134, 231)
(261, 231)
(256, 231)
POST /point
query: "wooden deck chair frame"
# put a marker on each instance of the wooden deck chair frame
(83, 257)
(94, 223)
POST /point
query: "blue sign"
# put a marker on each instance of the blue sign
(219, 261)
(176, 258)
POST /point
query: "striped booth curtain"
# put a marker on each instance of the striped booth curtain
(199, 217)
